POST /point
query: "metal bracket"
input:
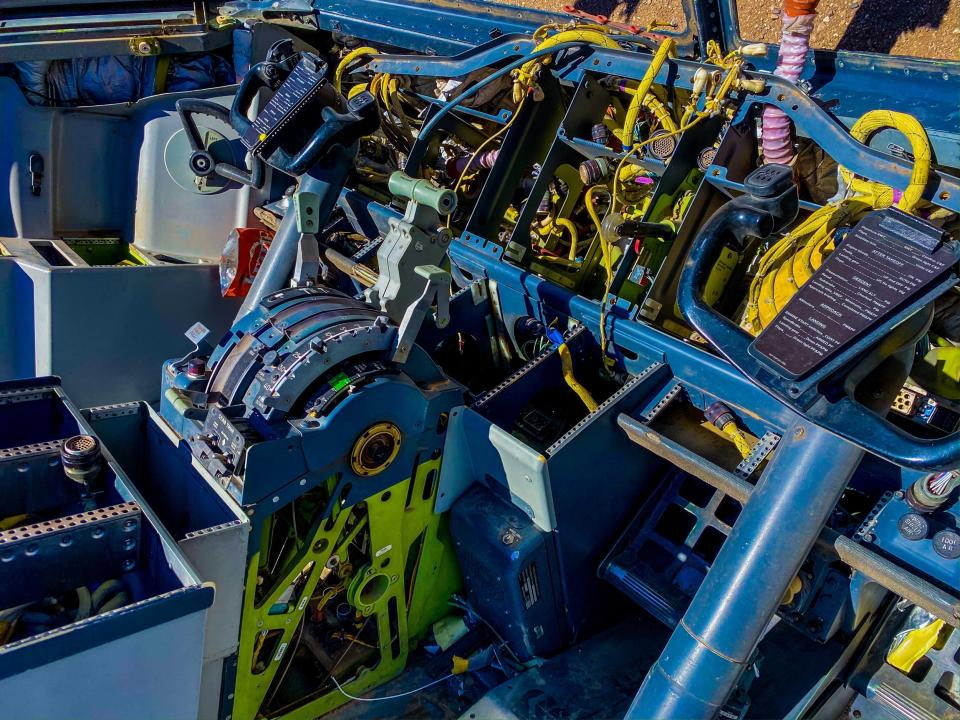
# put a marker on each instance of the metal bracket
(144, 46)
(307, 268)
(671, 391)
(438, 288)
(32, 479)
(55, 556)
(307, 206)
(758, 454)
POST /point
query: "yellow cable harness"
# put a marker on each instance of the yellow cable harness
(792, 260)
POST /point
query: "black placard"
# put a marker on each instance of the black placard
(299, 87)
(888, 260)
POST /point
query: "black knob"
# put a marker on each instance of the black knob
(913, 526)
(946, 544)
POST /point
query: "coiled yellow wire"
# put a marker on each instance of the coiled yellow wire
(792, 260)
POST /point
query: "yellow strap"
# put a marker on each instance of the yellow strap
(914, 646)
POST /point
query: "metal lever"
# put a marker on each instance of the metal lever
(307, 267)
(438, 288)
(202, 162)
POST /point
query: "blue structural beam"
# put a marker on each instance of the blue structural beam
(717, 636)
(522, 292)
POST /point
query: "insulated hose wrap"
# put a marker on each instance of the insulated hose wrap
(794, 44)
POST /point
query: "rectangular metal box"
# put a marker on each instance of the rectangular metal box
(144, 656)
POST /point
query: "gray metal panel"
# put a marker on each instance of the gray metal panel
(150, 675)
(211, 679)
(16, 321)
(95, 324)
(143, 443)
(104, 173)
(167, 219)
(474, 445)
(87, 171)
(219, 555)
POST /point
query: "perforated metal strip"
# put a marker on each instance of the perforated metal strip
(757, 455)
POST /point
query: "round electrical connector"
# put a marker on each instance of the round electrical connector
(706, 157)
(375, 449)
(593, 171)
(661, 145)
(81, 459)
(600, 134)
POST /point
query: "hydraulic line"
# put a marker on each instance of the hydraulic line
(798, 17)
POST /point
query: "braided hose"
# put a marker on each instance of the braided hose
(798, 18)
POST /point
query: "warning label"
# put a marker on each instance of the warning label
(885, 262)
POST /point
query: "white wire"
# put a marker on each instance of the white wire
(389, 697)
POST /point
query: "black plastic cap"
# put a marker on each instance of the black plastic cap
(913, 526)
(946, 544)
(769, 181)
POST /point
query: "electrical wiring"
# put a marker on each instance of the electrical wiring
(524, 79)
(413, 165)
(606, 261)
(391, 697)
(480, 148)
(350, 57)
(666, 49)
(790, 262)
(457, 603)
(574, 236)
(566, 364)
